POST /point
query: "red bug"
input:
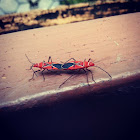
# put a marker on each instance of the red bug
(80, 65)
(44, 66)
(68, 65)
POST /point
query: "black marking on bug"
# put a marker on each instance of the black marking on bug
(59, 66)
(46, 64)
(67, 65)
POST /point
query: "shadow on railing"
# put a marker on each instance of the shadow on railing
(102, 116)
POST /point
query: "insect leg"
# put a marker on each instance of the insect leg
(66, 80)
(89, 59)
(91, 74)
(34, 72)
(93, 61)
(49, 59)
(104, 71)
(43, 74)
(69, 60)
(31, 68)
(86, 75)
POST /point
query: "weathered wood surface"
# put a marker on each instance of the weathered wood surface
(112, 42)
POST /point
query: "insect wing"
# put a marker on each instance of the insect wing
(67, 65)
(58, 66)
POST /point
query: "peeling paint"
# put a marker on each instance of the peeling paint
(116, 43)
(118, 59)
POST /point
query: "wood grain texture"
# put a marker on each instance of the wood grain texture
(113, 43)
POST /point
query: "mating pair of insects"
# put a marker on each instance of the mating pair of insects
(71, 65)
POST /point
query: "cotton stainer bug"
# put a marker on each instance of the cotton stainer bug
(80, 65)
(68, 65)
(44, 66)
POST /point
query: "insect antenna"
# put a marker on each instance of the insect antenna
(29, 59)
(31, 68)
(104, 71)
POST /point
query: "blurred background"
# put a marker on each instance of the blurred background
(17, 15)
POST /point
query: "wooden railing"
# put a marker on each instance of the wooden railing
(112, 42)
